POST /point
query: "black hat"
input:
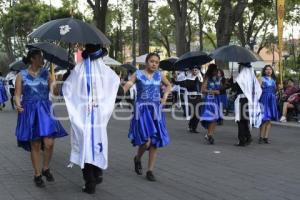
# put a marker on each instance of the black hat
(196, 67)
(246, 64)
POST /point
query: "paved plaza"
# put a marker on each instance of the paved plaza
(188, 169)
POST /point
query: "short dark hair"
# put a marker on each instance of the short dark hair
(150, 55)
(290, 79)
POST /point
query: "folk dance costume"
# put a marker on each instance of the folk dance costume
(211, 111)
(193, 86)
(148, 121)
(90, 93)
(268, 100)
(11, 79)
(3, 93)
(36, 121)
(247, 107)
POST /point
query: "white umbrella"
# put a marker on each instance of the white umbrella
(110, 61)
(141, 59)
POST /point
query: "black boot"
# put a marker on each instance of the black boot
(98, 175)
(48, 175)
(89, 178)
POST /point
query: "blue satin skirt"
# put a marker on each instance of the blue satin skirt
(268, 104)
(210, 111)
(148, 122)
(223, 100)
(3, 95)
(37, 122)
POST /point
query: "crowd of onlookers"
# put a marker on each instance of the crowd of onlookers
(288, 98)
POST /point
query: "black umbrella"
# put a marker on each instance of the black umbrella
(53, 54)
(17, 66)
(70, 30)
(191, 59)
(234, 53)
(168, 64)
(129, 67)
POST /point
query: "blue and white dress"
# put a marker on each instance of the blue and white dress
(268, 99)
(210, 111)
(37, 120)
(148, 121)
(3, 94)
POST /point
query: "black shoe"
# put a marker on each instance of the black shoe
(266, 141)
(240, 144)
(209, 139)
(89, 188)
(193, 131)
(48, 175)
(138, 166)
(220, 122)
(150, 176)
(98, 175)
(39, 181)
(248, 141)
(260, 140)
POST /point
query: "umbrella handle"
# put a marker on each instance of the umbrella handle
(52, 72)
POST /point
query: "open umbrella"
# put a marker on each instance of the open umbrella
(234, 53)
(168, 64)
(191, 59)
(54, 54)
(70, 30)
(17, 66)
(110, 61)
(129, 67)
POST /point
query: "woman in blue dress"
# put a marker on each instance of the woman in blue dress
(148, 128)
(211, 111)
(3, 94)
(268, 102)
(36, 126)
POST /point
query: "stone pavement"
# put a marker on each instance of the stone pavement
(187, 169)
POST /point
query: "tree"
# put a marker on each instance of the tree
(179, 9)
(99, 8)
(162, 28)
(197, 6)
(255, 20)
(143, 27)
(229, 14)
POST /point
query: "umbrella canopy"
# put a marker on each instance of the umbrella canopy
(70, 30)
(234, 53)
(191, 59)
(168, 64)
(110, 61)
(53, 53)
(129, 67)
(59, 68)
(17, 66)
(141, 59)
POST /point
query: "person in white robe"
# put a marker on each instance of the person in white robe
(90, 92)
(247, 107)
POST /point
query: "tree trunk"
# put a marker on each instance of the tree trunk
(228, 16)
(100, 10)
(179, 9)
(143, 27)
